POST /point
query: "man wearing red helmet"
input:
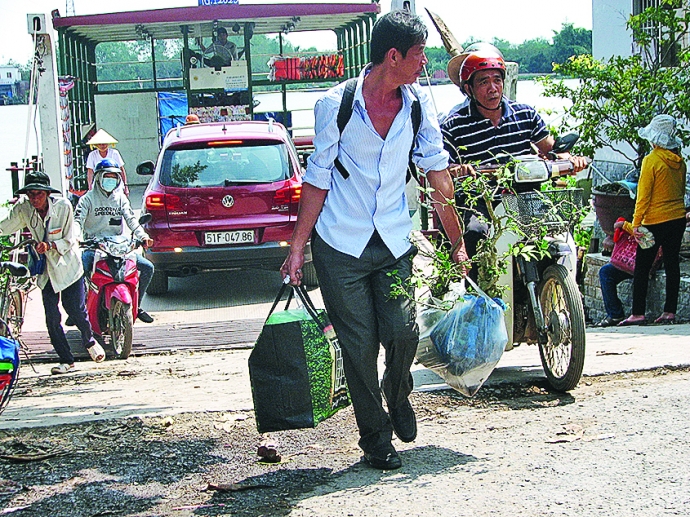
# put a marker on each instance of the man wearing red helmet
(488, 126)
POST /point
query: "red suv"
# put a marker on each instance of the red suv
(223, 196)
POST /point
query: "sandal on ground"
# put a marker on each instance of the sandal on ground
(666, 318)
(62, 368)
(629, 321)
(609, 322)
(268, 452)
(96, 352)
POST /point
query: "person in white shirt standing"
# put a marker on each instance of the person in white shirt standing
(103, 149)
(361, 226)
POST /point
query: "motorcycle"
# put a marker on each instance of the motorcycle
(112, 289)
(543, 299)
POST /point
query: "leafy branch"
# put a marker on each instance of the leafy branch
(616, 97)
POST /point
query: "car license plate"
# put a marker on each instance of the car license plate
(236, 237)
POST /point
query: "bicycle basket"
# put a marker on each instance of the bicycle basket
(9, 366)
(555, 210)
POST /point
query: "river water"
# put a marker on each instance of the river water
(14, 119)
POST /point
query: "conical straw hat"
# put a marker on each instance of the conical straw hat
(101, 137)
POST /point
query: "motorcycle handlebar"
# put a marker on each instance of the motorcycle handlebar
(94, 243)
(558, 168)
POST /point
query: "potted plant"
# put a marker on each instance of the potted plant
(611, 201)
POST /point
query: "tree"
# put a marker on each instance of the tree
(571, 41)
(438, 59)
(533, 56)
(615, 98)
(536, 56)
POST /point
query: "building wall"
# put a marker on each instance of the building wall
(609, 35)
(132, 118)
(9, 74)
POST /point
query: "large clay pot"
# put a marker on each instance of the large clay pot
(609, 207)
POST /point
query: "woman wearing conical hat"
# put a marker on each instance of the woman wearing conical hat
(103, 146)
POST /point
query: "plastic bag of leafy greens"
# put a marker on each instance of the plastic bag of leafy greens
(468, 341)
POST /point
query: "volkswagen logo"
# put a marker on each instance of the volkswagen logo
(228, 201)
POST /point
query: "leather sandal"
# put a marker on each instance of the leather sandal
(666, 319)
(609, 322)
(627, 322)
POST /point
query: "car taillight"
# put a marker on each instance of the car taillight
(158, 201)
(286, 199)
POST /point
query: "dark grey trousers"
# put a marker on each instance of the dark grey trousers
(356, 292)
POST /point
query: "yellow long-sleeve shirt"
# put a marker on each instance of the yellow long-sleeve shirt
(661, 189)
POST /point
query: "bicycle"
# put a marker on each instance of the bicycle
(15, 284)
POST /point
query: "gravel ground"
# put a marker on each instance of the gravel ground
(615, 446)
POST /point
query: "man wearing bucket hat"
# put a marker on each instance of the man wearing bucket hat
(660, 209)
(50, 221)
(487, 125)
(103, 149)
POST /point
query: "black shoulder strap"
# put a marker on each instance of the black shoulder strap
(416, 123)
(344, 114)
(345, 111)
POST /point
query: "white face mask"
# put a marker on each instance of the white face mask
(109, 184)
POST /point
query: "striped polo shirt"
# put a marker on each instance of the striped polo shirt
(469, 137)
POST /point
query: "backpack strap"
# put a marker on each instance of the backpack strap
(416, 123)
(344, 114)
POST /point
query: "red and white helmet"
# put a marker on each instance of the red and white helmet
(478, 50)
(481, 60)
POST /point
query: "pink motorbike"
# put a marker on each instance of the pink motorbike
(112, 291)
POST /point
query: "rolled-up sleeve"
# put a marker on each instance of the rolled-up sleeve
(326, 141)
(429, 153)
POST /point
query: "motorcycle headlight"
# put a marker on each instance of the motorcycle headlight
(117, 248)
(531, 170)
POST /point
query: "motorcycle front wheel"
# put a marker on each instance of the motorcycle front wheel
(121, 322)
(563, 354)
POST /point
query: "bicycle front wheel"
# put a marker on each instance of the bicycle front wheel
(15, 312)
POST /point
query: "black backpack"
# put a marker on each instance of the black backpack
(345, 112)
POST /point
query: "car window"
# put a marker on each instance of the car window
(220, 166)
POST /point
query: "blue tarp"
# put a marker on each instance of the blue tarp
(172, 108)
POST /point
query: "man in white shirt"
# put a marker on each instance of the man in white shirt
(361, 226)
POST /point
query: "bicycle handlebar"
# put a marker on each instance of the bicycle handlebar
(18, 245)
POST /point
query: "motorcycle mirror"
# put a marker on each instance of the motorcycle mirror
(565, 143)
(145, 218)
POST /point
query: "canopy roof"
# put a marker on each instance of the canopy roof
(167, 23)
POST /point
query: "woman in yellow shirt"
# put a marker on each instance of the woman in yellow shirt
(659, 208)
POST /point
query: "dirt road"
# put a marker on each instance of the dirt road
(615, 446)
(174, 435)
